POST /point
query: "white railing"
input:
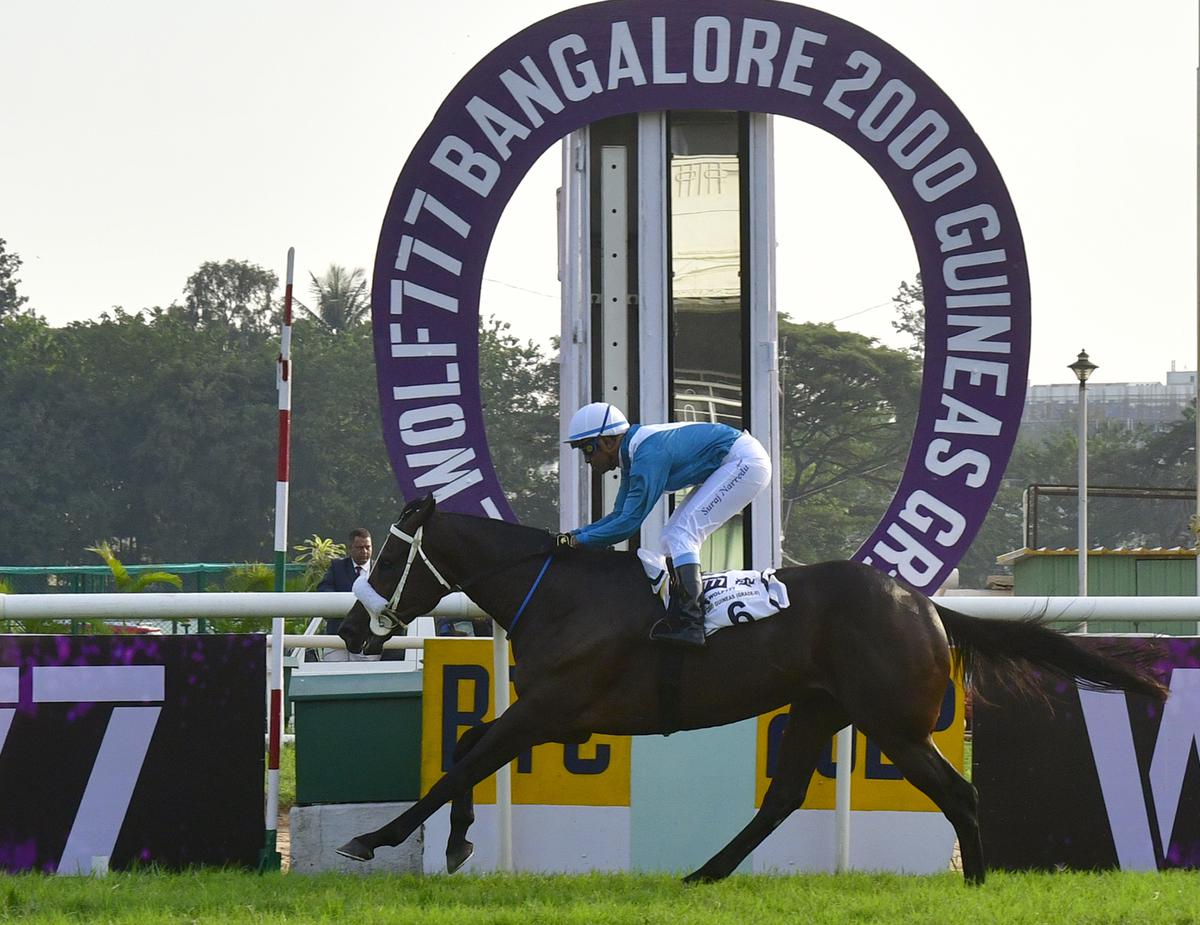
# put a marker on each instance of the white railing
(202, 606)
(1077, 609)
(266, 605)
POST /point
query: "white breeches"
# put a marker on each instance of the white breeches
(745, 471)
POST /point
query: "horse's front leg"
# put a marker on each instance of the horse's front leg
(462, 809)
(503, 740)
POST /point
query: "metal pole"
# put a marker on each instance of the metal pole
(1083, 369)
(504, 774)
(1083, 483)
(269, 858)
(841, 811)
(1196, 444)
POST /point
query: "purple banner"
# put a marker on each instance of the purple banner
(135, 750)
(629, 56)
(1092, 779)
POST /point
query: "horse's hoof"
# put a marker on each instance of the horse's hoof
(699, 876)
(457, 856)
(356, 851)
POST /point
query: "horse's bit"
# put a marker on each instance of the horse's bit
(384, 618)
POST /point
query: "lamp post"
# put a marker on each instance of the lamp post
(1082, 368)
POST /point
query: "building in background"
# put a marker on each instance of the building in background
(1050, 408)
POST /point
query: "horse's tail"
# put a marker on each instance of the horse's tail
(1012, 650)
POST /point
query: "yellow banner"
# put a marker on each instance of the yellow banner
(875, 782)
(458, 695)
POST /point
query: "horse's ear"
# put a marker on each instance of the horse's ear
(416, 512)
(424, 508)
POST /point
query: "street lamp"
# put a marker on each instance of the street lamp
(1082, 368)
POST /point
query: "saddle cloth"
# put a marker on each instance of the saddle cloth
(729, 597)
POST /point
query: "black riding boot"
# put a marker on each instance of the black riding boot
(687, 627)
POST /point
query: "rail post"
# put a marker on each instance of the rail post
(269, 858)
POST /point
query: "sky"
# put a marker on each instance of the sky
(140, 139)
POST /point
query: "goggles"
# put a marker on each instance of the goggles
(587, 447)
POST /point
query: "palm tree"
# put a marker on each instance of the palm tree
(342, 298)
(126, 583)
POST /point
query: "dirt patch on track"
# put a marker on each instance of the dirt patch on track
(283, 840)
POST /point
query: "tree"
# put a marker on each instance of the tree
(161, 431)
(1117, 457)
(234, 294)
(342, 298)
(848, 409)
(316, 554)
(184, 434)
(910, 311)
(10, 301)
(341, 475)
(140, 427)
(1173, 451)
(126, 583)
(44, 447)
(520, 410)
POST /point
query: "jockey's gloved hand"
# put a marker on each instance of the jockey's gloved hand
(565, 539)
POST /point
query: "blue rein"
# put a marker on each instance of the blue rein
(537, 581)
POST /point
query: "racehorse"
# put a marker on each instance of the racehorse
(854, 647)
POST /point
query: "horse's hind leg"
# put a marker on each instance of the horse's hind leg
(812, 721)
(927, 770)
(462, 809)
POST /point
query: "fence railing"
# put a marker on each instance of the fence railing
(266, 605)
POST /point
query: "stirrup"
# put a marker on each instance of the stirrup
(682, 634)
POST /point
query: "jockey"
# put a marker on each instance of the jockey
(729, 468)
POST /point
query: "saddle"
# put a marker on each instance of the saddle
(741, 596)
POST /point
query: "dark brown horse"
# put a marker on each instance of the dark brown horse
(854, 647)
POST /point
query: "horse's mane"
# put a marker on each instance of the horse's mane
(502, 538)
(519, 534)
(519, 539)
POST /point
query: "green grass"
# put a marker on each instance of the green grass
(603, 899)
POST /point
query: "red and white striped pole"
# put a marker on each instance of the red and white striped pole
(269, 858)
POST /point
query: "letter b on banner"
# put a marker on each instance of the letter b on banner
(458, 695)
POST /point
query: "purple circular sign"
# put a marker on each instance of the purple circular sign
(628, 56)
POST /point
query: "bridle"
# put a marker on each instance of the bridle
(388, 617)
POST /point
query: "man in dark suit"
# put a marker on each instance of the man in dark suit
(340, 576)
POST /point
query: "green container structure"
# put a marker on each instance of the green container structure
(358, 736)
(1146, 572)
